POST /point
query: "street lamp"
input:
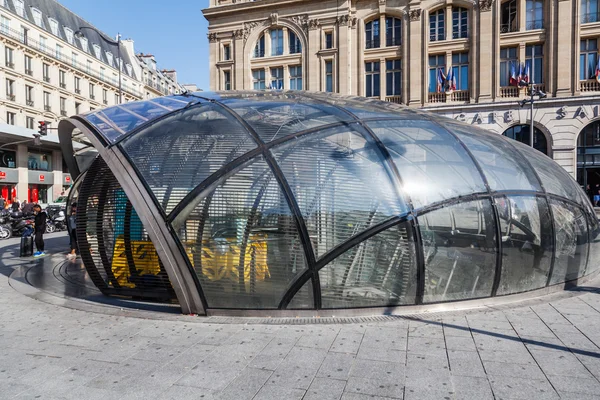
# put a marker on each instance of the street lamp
(117, 43)
(534, 94)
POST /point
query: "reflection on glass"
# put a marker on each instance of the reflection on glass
(242, 241)
(594, 239)
(526, 243)
(570, 230)
(341, 185)
(303, 299)
(380, 271)
(459, 244)
(178, 153)
(433, 165)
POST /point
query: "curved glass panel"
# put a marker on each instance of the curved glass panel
(113, 122)
(459, 245)
(242, 241)
(340, 183)
(433, 165)
(179, 152)
(594, 238)
(503, 167)
(303, 299)
(380, 271)
(571, 238)
(525, 224)
(280, 118)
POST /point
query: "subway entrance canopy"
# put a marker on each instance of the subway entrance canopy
(297, 201)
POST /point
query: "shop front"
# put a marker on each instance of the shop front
(40, 187)
(8, 184)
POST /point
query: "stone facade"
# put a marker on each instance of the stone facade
(340, 52)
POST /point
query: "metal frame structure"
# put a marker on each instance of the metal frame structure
(159, 223)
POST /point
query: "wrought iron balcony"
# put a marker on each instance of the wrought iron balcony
(105, 101)
(29, 72)
(63, 113)
(393, 41)
(461, 34)
(510, 27)
(590, 18)
(372, 44)
(47, 108)
(63, 85)
(92, 97)
(10, 64)
(536, 24)
(78, 91)
(47, 79)
(30, 103)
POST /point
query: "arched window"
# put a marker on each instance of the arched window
(534, 14)
(437, 25)
(459, 22)
(277, 42)
(259, 49)
(372, 34)
(588, 155)
(393, 31)
(295, 45)
(521, 134)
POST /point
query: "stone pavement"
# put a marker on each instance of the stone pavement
(540, 349)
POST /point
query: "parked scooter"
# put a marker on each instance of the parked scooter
(56, 222)
(5, 226)
(19, 223)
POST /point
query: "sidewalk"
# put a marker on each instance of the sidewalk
(542, 349)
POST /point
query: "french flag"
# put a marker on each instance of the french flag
(526, 75)
(513, 81)
(440, 80)
(598, 70)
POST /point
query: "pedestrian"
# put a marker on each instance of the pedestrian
(39, 229)
(2, 204)
(72, 232)
(596, 194)
(26, 208)
(15, 205)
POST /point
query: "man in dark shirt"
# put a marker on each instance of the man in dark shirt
(40, 229)
(26, 208)
(15, 205)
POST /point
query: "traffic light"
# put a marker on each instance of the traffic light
(43, 128)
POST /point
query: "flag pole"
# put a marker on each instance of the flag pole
(531, 128)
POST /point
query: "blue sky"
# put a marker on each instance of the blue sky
(174, 31)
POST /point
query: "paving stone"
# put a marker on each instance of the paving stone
(177, 392)
(560, 363)
(272, 392)
(425, 345)
(519, 357)
(472, 386)
(465, 363)
(528, 371)
(505, 387)
(426, 361)
(381, 353)
(336, 366)
(375, 387)
(347, 342)
(299, 368)
(325, 389)
(575, 384)
(390, 338)
(356, 396)
(415, 393)
(435, 379)
(465, 343)
(246, 385)
(378, 370)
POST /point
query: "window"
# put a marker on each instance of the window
(393, 77)
(76, 84)
(588, 59)
(459, 22)
(393, 31)
(77, 107)
(43, 46)
(105, 96)
(59, 50)
(62, 78)
(63, 105)
(296, 77)
(109, 58)
(372, 79)
(69, 34)
(92, 91)
(19, 7)
(102, 73)
(277, 42)
(277, 78)
(10, 89)
(460, 71)
(46, 72)
(258, 78)
(295, 45)
(84, 43)
(227, 80)
(329, 76)
(88, 66)
(30, 122)
(28, 65)
(37, 16)
(74, 59)
(8, 57)
(589, 11)
(53, 26)
(534, 14)
(226, 52)
(10, 117)
(508, 16)
(437, 64)
(47, 101)
(538, 62)
(117, 100)
(508, 59)
(97, 51)
(24, 35)
(436, 26)
(372, 34)
(329, 40)
(29, 95)
(259, 49)
(4, 25)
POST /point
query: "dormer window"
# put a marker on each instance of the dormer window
(84, 43)
(97, 51)
(53, 26)
(69, 34)
(37, 16)
(20, 8)
(109, 58)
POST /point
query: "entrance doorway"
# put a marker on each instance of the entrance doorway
(521, 133)
(588, 158)
(38, 194)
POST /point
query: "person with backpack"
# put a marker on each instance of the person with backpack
(39, 229)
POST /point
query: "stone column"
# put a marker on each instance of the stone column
(416, 91)
(382, 78)
(382, 32)
(238, 70)
(485, 52)
(22, 158)
(268, 43)
(343, 56)
(563, 50)
(57, 185)
(360, 59)
(405, 65)
(522, 15)
(314, 45)
(286, 41)
(214, 59)
(551, 23)
(448, 22)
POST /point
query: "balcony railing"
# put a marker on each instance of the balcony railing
(445, 97)
(78, 91)
(16, 35)
(295, 49)
(537, 24)
(63, 85)
(259, 53)
(460, 95)
(394, 99)
(462, 34)
(372, 43)
(539, 87)
(10, 97)
(30, 103)
(435, 97)
(10, 64)
(29, 72)
(393, 41)
(47, 79)
(105, 101)
(510, 27)
(63, 113)
(590, 18)
(591, 85)
(509, 91)
(47, 108)
(92, 97)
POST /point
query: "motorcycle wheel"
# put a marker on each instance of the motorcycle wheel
(50, 228)
(5, 233)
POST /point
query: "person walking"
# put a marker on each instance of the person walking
(39, 229)
(2, 203)
(596, 194)
(15, 205)
(72, 232)
(26, 208)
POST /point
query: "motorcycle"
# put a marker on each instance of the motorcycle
(19, 224)
(5, 227)
(56, 222)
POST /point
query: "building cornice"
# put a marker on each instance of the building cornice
(246, 6)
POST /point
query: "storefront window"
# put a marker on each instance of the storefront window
(39, 162)
(8, 159)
